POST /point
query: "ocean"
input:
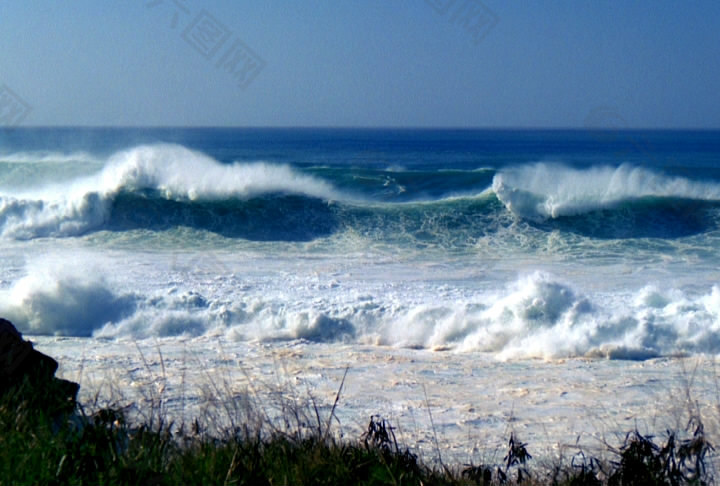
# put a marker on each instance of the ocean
(559, 283)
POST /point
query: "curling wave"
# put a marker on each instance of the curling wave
(161, 187)
(543, 191)
(171, 172)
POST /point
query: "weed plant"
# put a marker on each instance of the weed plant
(40, 445)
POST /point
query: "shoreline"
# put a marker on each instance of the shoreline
(475, 401)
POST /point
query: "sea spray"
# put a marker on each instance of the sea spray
(174, 172)
(57, 299)
(537, 316)
(551, 190)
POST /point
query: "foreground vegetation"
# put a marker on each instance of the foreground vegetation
(51, 445)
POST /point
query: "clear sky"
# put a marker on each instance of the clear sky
(458, 63)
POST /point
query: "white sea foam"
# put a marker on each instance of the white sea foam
(48, 157)
(543, 318)
(181, 173)
(537, 316)
(77, 206)
(545, 190)
(56, 299)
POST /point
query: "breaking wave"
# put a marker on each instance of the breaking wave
(541, 191)
(161, 187)
(537, 316)
(170, 172)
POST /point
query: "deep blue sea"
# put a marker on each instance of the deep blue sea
(516, 243)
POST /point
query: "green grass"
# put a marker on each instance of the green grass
(48, 445)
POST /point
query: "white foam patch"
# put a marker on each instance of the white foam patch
(54, 299)
(150, 323)
(167, 314)
(34, 217)
(48, 157)
(545, 190)
(540, 316)
(537, 316)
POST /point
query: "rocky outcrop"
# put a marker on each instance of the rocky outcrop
(28, 375)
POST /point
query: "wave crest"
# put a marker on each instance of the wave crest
(181, 173)
(541, 191)
(175, 172)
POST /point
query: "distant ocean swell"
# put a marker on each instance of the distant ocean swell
(537, 316)
(160, 187)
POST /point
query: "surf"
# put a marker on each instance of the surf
(543, 191)
(172, 172)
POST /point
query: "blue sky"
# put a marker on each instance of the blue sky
(569, 63)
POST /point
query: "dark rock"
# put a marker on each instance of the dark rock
(29, 375)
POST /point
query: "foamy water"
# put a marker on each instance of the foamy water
(475, 401)
(553, 299)
(509, 314)
(543, 190)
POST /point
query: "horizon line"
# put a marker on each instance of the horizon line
(365, 127)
